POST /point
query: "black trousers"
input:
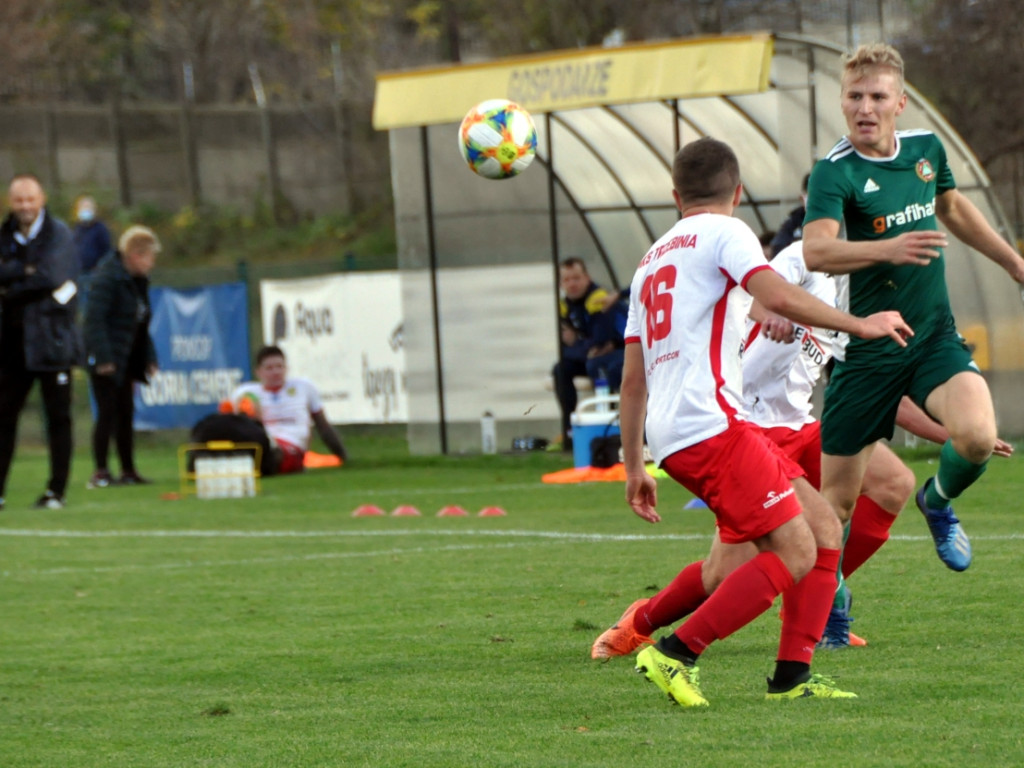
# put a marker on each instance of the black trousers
(15, 384)
(115, 410)
(564, 372)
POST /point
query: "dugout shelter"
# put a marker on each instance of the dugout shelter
(478, 258)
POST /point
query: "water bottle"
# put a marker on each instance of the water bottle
(601, 390)
(488, 436)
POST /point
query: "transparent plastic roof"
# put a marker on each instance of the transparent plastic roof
(600, 188)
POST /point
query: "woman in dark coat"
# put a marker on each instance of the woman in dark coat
(119, 348)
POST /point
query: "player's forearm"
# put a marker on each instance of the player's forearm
(911, 418)
(330, 437)
(840, 257)
(982, 238)
(968, 225)
(776, 295)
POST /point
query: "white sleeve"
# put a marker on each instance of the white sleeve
(740, 251)
(790, 265)
(633, 318)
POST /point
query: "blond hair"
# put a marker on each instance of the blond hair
(138, 237)
(868, 58)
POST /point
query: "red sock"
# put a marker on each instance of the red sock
(745, 594)
(869, 530)
(681, 597)
(805, 608)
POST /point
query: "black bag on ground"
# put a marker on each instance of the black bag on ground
(604, 451)
(237, 429)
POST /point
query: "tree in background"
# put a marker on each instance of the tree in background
(966, 58)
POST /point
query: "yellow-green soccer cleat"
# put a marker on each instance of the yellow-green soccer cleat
(621, 639)
(815, 687)
(680, 682)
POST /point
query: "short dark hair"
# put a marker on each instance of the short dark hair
(805, 182)
(705, 171)
(574, 261)
(268, 351)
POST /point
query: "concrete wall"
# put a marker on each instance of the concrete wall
(316, 158)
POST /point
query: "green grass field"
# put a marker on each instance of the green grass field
(281, 631)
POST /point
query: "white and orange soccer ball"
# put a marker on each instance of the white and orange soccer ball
(498, 139)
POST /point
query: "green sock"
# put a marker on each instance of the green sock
(955, 475)
(839, 601)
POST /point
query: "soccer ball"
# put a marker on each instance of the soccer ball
(497, 139)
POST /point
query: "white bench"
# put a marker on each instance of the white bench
(583, 384)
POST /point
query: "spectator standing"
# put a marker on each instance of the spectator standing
(120, 349)
(92, 238)
(38, 334)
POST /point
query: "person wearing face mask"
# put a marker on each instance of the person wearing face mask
(92, 238)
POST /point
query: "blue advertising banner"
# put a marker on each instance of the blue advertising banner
(202, 345)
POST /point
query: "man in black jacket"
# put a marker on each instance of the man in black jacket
(38, 335)
(792, 228)
(119, 348)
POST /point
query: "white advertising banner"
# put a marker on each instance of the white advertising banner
(344, 333)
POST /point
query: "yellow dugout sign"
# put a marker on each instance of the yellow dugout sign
(727, 65)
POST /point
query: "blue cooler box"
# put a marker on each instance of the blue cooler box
(593, 417)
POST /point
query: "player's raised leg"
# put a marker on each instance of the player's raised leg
(964, 406)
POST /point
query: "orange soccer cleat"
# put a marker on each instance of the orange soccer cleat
(621, 639)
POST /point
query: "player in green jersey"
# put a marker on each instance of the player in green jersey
(891, 188)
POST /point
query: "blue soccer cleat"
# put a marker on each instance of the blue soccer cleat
(951, 543)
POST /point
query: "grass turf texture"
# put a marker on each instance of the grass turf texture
(280, 631)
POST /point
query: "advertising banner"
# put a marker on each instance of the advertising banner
(202, 345)
(344, 333)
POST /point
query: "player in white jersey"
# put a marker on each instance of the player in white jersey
(778, 382)
(683, 381)
(286, 406)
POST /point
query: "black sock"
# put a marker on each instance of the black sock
(790, 673)
(676, 649)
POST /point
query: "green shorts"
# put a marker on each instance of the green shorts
(861, 399)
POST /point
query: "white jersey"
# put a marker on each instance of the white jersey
(779, 379)
(687, 311)
(285, 412)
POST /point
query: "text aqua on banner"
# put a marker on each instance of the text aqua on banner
(343, 332)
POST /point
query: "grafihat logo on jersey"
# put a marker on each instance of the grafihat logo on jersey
(924, 170)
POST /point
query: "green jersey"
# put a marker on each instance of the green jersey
(879, 198)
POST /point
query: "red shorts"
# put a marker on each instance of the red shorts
(803, 446)
(291, 457)
(743, 477)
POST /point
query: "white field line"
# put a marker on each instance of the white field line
(196, 533)
(235, 534)
(524, 536)
(255, 560)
